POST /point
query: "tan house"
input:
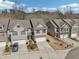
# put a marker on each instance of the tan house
(58, 28)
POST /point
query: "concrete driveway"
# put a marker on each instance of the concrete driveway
(45, 51)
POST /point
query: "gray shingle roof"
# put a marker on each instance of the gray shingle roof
(36, 21)
(70, 21)
(59, 22)
(4, 23)
(24, 23)
(53, 23)
(77, 21)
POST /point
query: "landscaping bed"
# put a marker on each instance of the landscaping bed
(32, 46)
(7, 50)
(58, 44)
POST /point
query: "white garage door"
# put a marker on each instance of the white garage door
(74, 35)
(2, 44)
(64, 36)
(40, 39)
(20, 41)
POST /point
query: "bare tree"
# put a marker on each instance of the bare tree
(68, 12)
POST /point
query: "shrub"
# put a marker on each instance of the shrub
(47, 40)
(61, 44)
(6, 48)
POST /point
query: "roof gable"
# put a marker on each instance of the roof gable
(58, 22)
(39, 25)
(23, 24)
(70, 21)
(18, 27)
(65, 26)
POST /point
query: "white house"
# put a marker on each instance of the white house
(19, 30)
(39, 29)
(73, 28)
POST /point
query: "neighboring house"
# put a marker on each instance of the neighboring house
(39, 29)
(19, 30)
(58, 28)
(3, 30)
(73, 27)
(3, 40)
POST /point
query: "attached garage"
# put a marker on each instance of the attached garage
(74, 35)
(19, 41)
(64, 36)
(40, 39)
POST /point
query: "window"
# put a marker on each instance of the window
(18, 26)
(56, 30)
(48, 26)
(29, 37)
(44, 30)
(0, 27)
(38, 31)
(23, 33)
(29, 30)
(61, 29)
(65, 29)
(14, 33)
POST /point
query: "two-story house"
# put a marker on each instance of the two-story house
(39, 29)
(73, 27)
(19, 30)
(58, 28)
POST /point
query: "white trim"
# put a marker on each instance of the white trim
(2, 44)
(41, 39)
(74, 35)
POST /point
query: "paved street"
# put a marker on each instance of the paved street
(45, 51)
(73, 54)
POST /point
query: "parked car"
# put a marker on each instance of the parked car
(15, 47)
